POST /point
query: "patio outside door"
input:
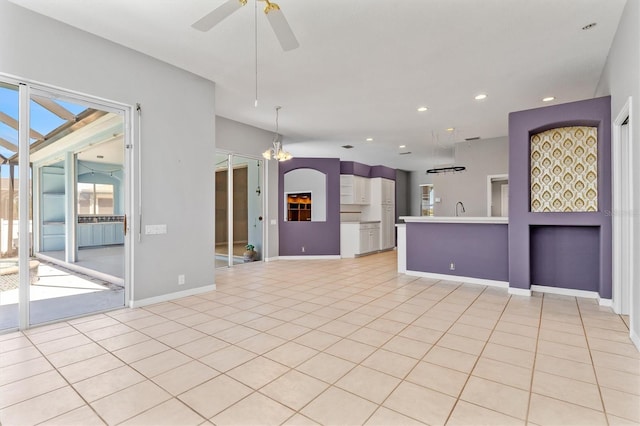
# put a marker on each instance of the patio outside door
(65, 239)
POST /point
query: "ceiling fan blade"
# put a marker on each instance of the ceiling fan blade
(213, 18)
(281, 27)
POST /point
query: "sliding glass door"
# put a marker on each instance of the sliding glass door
(239, 206)
(9, 206)
(62, 206)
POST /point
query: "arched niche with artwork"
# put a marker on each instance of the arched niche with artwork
(305, 195)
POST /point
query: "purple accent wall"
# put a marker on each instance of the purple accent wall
(478, 250)
(522, 124)
(318, 238)
(383, 172)
(565, 256)
(359, 169)
(354, 168)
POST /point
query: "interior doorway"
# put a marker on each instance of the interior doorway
(498, 195)
(625, 285)
(239, 207)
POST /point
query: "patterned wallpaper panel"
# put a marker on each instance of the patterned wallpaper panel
(564, 170)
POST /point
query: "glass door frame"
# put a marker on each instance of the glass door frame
(263, 205)
(26, 89)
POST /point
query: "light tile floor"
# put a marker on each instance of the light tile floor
(337, 342)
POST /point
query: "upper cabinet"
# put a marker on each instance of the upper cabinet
(354, 190)
(383, 191)
(388, 191)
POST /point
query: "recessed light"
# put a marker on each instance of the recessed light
(589, 26)
(422, 109)
(481, 96)
(402, 146)
(548, 99)
(451, 129)
(369, 139)
(347, 146)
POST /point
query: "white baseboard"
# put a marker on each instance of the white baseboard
(271, 259)
(468, 280)
(171, 296)
(605, 302)
(329, 256)
(565, 291)
(520, 291)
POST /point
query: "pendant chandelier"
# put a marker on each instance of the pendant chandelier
(277, 152)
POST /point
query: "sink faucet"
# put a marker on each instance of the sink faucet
(461, 205)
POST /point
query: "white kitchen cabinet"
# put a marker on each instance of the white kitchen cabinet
(382, 208)
(388, 191)
(359, 238)
(387, 227)
(354, 190)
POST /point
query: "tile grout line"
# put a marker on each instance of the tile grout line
(477, 360)
(460, 285)
(535, 358)
(128, 365)
(66, 381)
(593, 367)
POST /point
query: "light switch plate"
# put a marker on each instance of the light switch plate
(155, 229)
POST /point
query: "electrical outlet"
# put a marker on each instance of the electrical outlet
(180, 279)
(452, 266)
(303, 249)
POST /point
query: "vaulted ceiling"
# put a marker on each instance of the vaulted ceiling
(364, 66)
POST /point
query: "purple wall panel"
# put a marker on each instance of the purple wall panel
(478, 250)
(566, 256)
(383, 172)
(318, 238)
(522, 124)
(354, 168)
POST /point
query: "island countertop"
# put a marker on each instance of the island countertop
(455, 219)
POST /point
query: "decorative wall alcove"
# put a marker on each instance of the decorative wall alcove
(564, 170)
(319, 236)
(561, 239)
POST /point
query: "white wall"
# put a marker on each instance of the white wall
(621, 79)
(481, 158)
(239, 138)
(178, 129)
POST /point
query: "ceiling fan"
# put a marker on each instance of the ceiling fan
(274, 15)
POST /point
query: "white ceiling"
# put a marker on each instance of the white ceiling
(364, 66)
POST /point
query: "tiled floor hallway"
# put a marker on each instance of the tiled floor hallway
(337, 342)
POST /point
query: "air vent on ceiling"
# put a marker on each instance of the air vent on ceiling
(405, 153)
(347, 146)
(475, 138)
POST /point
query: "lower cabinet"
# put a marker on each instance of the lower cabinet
(359, 238)
(387, 228)
(100, 234)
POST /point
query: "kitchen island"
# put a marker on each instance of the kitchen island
(469, 249)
